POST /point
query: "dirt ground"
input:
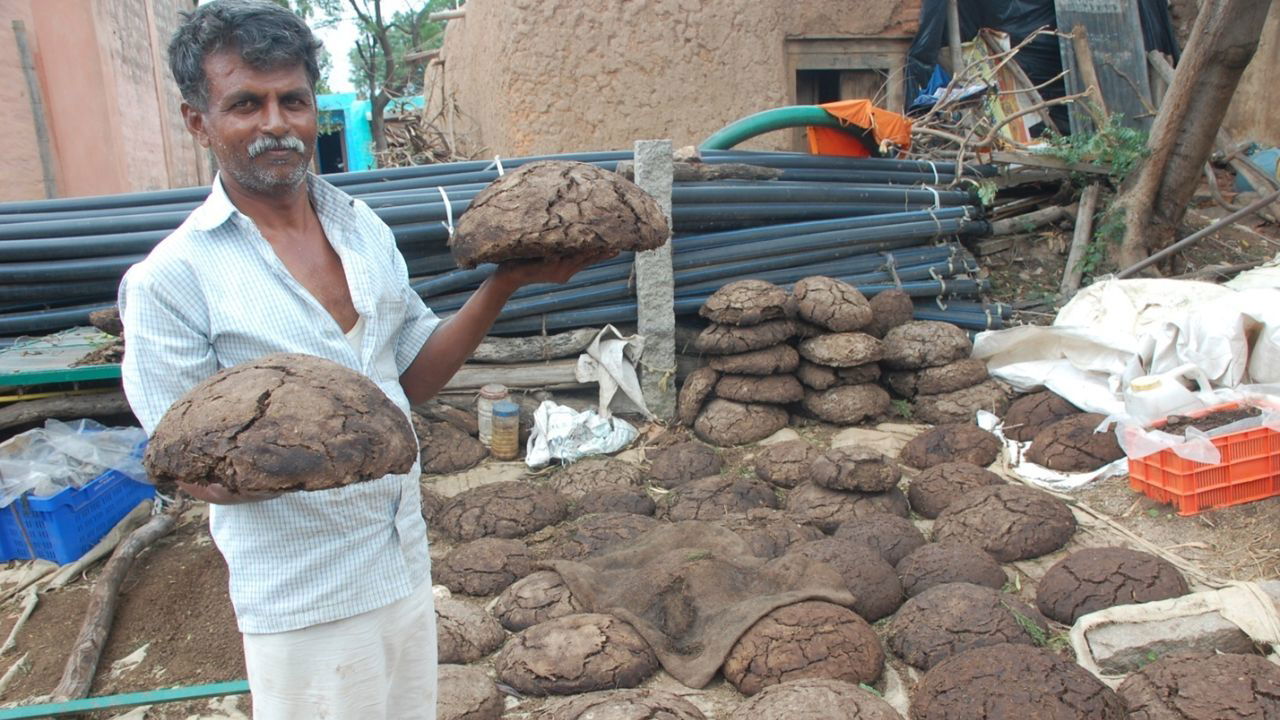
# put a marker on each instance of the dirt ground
(175, 624)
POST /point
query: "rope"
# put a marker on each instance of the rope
(448, 211)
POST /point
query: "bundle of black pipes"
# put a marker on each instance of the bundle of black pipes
(877, 223)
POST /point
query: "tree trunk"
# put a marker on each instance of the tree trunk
(1154, 198)
(377, 107)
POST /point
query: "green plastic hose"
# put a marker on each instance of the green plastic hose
(768, 121)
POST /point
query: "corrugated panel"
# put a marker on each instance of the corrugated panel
(1115, 41)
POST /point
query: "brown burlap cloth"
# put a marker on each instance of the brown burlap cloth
(691, 589)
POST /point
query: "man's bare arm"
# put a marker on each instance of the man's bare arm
(456, 338)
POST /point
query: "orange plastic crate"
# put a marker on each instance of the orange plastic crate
(1250, 470)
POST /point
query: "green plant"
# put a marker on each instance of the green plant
(1115, 146)
(697, 555)
(1107, 233)
(870, 689)
(1029, 626)
(903, 408)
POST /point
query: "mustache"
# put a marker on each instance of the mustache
(266, 142)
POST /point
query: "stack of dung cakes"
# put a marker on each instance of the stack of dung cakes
(838, 360)
(739, 397)
(928, 364)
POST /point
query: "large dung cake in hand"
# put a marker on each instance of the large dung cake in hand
(282, 422)
(557, 209)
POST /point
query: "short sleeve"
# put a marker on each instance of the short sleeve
(169, 350)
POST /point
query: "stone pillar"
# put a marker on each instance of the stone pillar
(655, 287)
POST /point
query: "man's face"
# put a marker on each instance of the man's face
(260, 124)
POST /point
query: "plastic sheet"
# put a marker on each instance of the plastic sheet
(562, 433)
(59, 455)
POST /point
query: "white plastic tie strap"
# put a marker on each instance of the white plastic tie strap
(892, 266)
(934, 165)
(937, 199)
(448, 211)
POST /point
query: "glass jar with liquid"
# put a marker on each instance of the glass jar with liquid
(505, 441)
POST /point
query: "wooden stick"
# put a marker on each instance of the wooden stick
(1029, 221)
(78, 673)
(1089, 76)
(13, 671)
(28, 607)
(103, 547)
(1079, 241)
(534, 348)
(27, 411)
(1196, 236)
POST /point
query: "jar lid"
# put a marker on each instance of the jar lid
(505, 408)
(494, 391)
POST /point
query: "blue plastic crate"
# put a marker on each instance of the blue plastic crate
(63, 526)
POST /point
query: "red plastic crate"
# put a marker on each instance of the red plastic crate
(1249, 471)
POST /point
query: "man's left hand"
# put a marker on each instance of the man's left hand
(516, 274)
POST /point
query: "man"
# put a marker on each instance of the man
(331, 589)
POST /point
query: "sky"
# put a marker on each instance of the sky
(340, 38)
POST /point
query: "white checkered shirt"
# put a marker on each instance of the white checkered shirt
(213, 295)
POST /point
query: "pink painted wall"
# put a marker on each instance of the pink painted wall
(110, 104)
(21, 177)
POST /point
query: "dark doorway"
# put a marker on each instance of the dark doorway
(331, 151)
(815, 87)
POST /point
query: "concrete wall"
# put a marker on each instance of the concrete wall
(540, 76)
(110, 105)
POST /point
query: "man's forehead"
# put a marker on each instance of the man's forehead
(228, 69)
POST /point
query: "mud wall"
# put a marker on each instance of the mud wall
(543, 76)
(21, 177)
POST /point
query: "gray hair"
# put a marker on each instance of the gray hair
(265, 35)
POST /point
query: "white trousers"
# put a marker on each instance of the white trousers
(380, 665)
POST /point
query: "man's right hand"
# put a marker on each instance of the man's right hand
(220, 495)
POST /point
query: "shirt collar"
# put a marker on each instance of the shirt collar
(218, 208)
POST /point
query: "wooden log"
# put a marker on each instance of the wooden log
(123, 528)
(534, 348)
(1096, 106)
(447, 15)
(1079, 241)
(70, 406)
(1047, 161)
(1030, 221)
(28, 606)
(517, 375)
(78, 673)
